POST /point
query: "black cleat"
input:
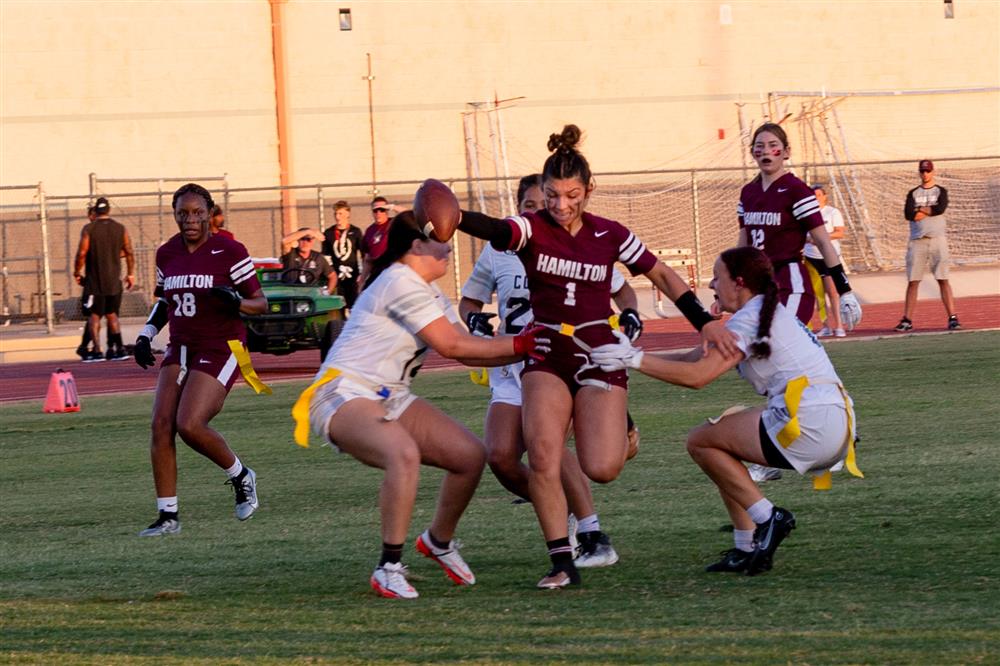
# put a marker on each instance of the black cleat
(767, 537)
(904, 325)
(953, 324)
(733, 560)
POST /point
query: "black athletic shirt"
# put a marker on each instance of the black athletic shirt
(104, 266)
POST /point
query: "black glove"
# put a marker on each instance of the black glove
(479, 323)
(143, 353)
(230, 298)
(630, 323)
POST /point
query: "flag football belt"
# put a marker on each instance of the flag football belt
(242, 359)
(792, 430)
(300, 410)
(569, 330)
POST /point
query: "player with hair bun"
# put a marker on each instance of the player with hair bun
(808, 423)
(203, 282)
(360, 401)
(569, 256)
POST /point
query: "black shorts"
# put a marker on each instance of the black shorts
(772, 454)
(819, 265)
(104, 304)
(86, 300)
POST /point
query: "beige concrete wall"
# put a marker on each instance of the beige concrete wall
(186, 88)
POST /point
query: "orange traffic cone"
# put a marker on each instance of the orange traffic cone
(62, 395)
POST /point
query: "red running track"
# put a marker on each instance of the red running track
(30, 381)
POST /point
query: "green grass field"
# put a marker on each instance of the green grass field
(898, 568)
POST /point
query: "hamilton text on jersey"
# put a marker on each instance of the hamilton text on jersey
(575, 270)
(188, 282)
(761, 219)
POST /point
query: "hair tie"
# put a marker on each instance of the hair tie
(764, 340)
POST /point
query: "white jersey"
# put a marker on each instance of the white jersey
(379, 344)
(503, 273)
(795, 352)
(831, 220)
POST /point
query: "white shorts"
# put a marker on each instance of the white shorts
(923, 254)
(823, 440)
(505, 384)
(336, 393)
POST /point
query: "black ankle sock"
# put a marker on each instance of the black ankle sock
(392, 553)
(168, 514)
(440, 545)
(560, 552)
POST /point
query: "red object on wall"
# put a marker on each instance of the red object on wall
(722, 133)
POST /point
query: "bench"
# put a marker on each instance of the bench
(681, 260)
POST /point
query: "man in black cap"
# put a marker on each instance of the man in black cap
(103, 242)
(928, 246)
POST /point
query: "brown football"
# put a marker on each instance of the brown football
(436, 209)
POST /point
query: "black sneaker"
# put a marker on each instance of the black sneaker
(734, 560)
(93, 357)
(766, 539)
(118, 354)
(166, 523)
(953, 324)
(904, 325)
(595, 550)
(82, 352)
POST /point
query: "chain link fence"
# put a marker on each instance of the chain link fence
(693, 209)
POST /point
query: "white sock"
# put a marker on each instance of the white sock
(588, 524)
(743, 540)
(167, 504)
(760, 511)
(235, 470)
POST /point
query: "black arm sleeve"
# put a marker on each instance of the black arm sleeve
(492, 229)
(158, 315)
(942, 203)
(910, 209)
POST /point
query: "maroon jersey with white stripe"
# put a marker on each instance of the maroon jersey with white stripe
(185, 279)
(778, 219)
(570, 276)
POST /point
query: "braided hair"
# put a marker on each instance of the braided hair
(194, 188)
(753, 266)
(565, 160)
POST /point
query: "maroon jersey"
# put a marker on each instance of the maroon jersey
(375, 241)
(778, 219)
(570, 276)
(185, 279)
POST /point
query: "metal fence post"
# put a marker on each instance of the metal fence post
(46, 266)
(321, 204)
(697, 228)
(159, 212)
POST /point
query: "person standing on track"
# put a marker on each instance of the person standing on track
(833, 221)
(360, 401)
(568, 255)
(807, 425)
(203, 283)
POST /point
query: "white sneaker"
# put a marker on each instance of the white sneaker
(824, 332)
(449, 560)
(389, 581)
(839, 466)
(164, 525)
(595, 551)
(571, 526)
(246, 494)
(760, 473)
(840, 333)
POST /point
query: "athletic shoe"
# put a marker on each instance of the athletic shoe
(904, 325)
(449, 560)
(166, 523)
(824, 332)
(633, 442)
(558, 578)
(117, 354)
(93, 357)
(837, 466)
(82, 352)
(953, 324)
(245, 487)
(733, 560)
(571, 526)
(389, 581)
(766, 539)
(761, 473)
(839, 333)
(595, 551)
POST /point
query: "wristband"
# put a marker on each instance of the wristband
(693, 310)
(839, 279)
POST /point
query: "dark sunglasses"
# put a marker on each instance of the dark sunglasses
(381, 210)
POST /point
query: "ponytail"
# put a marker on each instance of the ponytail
(753, 266)
(761, 346)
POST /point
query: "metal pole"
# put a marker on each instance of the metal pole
(159, 212)
(321, 204)
(371, 121)
(697, 229)
(506, 166)
(93, 185)
(496, 159)
(46, 266)
(744, 139)
(866, 220)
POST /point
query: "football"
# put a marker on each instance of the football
(436, 209)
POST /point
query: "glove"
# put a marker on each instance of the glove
(345, 272)
(532, 342)
(850, 310)
(143, 352)
(479, 323)
(230, 298)
(630, 323)
(617, 355)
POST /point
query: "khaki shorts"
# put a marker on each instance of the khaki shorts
(927, 253)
